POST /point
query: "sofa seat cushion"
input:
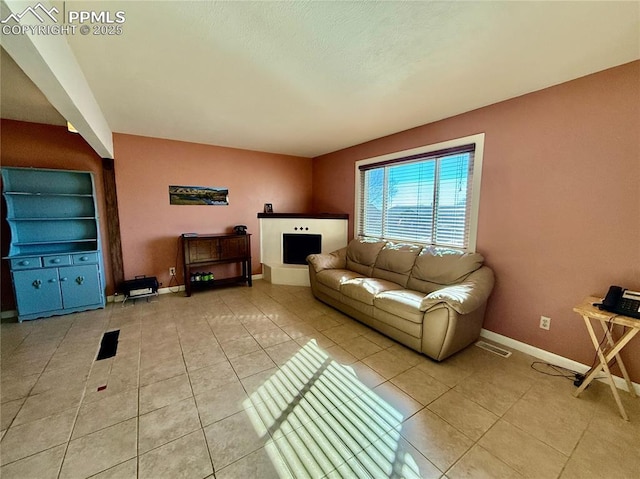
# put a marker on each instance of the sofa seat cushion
(333, 278)
(366, 289)
(405, 303)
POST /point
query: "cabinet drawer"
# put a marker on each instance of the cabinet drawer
(85, 258)
(56, 260)
(26, 263)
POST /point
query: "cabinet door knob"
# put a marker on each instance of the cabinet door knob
(63, 279)
(53, 280)
(37, 283)
(80, 279)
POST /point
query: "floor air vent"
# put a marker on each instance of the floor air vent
(494, 349)
(109, 345)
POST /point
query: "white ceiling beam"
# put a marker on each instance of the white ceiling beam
(52, 66)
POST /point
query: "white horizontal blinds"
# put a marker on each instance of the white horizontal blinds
(425, 198)
(372, 201)
(452, 207)
(409, 214)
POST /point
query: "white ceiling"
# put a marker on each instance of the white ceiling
(308, 78)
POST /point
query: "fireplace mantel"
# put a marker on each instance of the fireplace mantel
(322, 216)
(333, 227)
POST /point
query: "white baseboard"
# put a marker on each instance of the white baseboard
(549, 357)
(9, 314)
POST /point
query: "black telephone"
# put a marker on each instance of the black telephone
(622, 301)
(240, 230)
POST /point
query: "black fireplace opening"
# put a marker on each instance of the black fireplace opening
(296, 247)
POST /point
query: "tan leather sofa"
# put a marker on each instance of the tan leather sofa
(429, 299)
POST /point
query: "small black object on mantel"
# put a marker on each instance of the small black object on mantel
(268, 208)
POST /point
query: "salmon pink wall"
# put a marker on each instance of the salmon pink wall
(150, 226)
(46, 146)
(559, 203)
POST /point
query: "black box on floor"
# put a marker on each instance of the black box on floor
(139, 287)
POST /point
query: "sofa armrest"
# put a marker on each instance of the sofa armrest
(463, 297)
(335, 260)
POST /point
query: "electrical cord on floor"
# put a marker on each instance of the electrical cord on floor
(570, 374)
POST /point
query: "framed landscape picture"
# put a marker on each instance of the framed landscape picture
(198, 195)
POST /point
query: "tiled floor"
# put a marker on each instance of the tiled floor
(267, 382)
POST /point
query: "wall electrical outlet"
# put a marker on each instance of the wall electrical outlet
(172, 272)
(545, 323)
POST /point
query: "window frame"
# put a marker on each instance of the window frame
(477, 140)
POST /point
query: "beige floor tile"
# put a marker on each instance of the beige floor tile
(479, 463)
(444, 372)
(321, 322)
(419, 385)
(298, 330)
(161, 370)
(48, 403)
(264, 463)
(596, 457)
(392, 456)
(341, 334)
(200, 358)
(341, 355)
(556, 426)
(43, 465)
(466, 416)
(240, 347)
(319, 414)
(494, 398)
(311, 451)
(395, 398)
(163, 393)
(361, 347)
(364, 375)
(16, 387)
(251, 363)
(216, 404)
(283, 352)
(106, 412)
(507, 443)
(271, 337)
(166, 424)
(263, 379)
(435, 439)
(125, 470)
(184, 458)
(69, 378)
(386, 364)
(231, 439)
(100, 450)
(318, 339)
(8, 412)
(212, 377)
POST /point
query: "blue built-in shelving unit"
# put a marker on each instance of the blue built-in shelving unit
(55, 254)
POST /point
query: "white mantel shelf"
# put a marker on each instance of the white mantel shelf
(333, 227)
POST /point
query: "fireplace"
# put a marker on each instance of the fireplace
(296, 247)
(285, 263)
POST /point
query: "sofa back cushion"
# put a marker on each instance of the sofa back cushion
(362, 254)
(435, 267)
(395, 262)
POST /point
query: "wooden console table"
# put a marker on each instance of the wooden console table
(207, 250)
(607, 352)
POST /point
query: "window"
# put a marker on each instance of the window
(427, 195)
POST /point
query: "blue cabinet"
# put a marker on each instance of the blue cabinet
(55, 254)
